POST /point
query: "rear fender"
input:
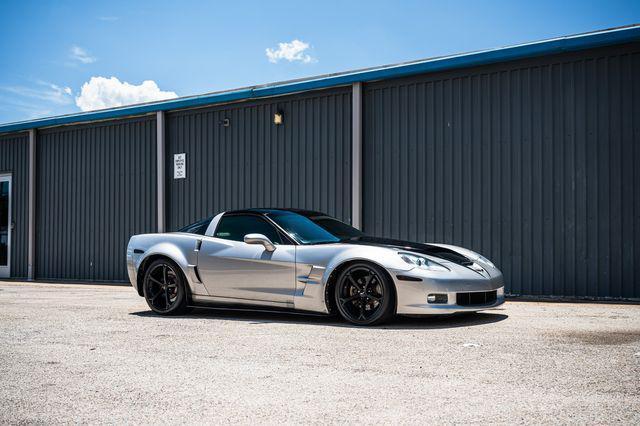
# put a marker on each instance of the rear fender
(187, 260)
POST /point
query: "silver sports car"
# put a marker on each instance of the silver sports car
(307, 261)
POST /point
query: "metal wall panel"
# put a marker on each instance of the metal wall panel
(14, 159)
(96, 186)
(532, 163)
(303, 163)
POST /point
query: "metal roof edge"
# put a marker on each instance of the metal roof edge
(484, 57)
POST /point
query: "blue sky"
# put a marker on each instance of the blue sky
(50, 50)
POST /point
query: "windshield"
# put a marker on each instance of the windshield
(314, 229)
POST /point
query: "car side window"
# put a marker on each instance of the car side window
(235, 227)
(197, 228)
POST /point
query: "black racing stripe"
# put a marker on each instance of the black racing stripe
(428, 249)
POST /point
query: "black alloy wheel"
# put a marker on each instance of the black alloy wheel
(364, 295)
(164, 288)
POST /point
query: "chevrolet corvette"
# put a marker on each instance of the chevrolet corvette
(306, 261)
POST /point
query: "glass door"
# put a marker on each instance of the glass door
(5, 226)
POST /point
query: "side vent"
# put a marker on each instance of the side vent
(195, 270)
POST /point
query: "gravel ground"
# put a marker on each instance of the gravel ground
(95, 354)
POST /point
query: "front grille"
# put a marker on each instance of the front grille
(476, 298)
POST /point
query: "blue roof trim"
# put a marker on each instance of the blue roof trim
(545, 47)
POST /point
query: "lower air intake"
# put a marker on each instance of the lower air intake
(476, 298)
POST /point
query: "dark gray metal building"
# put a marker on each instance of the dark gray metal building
(528, 154)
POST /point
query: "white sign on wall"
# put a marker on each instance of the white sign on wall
(179, 166)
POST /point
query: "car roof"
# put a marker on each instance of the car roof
(264, 211)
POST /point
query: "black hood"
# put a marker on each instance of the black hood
(427, 249)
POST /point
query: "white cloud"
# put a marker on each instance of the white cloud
(292, 52)
(79, 54)
(102, 92)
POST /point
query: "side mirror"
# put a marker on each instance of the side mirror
(259, 239)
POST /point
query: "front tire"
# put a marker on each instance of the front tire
(364, 294)
(164, 288)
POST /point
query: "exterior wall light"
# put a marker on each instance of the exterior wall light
(278, 118)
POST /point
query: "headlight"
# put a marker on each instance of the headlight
(485, 261)
(422, 262)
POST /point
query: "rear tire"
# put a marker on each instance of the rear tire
(164, 288)
(364, 294)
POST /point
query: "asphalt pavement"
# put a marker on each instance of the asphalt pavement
(74, 353)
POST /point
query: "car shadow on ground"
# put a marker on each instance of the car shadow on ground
(396, 323)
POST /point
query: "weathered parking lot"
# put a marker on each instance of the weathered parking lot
(95, 354)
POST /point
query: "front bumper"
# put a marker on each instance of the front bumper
(412, 295)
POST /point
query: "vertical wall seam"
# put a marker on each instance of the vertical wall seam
(356, 156)
(32, 205)
(160, 170)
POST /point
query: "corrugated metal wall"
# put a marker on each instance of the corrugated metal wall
(534, 164)
(96, 186)
(14, 159)
(304, 163)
